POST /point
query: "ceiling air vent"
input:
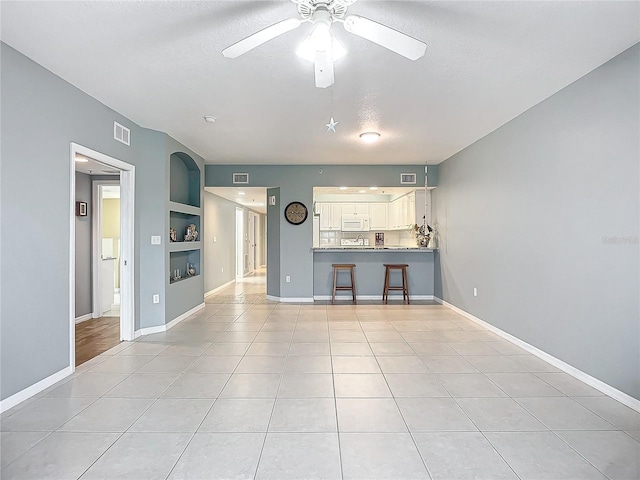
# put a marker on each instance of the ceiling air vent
(408, 178)
(121, 133)
(241, 178)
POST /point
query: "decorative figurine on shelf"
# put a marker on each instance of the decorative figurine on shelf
(191, 269)
(422, 233)
(173, 236)
(192, 233)
(176, 275)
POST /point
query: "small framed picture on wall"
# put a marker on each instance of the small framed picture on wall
(81, 209)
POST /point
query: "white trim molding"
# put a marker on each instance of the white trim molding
(84, 318)
(599, 385)
(171, 324)
(290, 299)
(34, 389)
(217, 289)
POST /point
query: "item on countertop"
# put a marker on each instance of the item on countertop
(379, 239)
(422, 233)
(173, 235)
(192, 233)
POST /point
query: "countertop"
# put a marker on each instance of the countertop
(370, 248)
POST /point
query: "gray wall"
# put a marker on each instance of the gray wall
(219, 221)
(83, 247)
(41, 115)
(542, 217)
(296, 182)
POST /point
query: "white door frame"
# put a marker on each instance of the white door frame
(127, 263)
(96, 244)
(252, 241)
(240, 242)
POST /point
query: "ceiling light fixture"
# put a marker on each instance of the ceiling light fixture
(80, 159)
(344, 188)
(241, 193)
(369, 137)
(209, 119)
(362, 191)
(373, 188)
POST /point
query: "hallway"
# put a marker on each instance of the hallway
(249, 388)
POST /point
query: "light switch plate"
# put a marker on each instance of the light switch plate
(155, 239)
(156, 298)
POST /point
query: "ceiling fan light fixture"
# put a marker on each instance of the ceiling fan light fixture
(370, 137)
(307, 49)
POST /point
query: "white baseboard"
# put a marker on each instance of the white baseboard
(84, 318)
(290, 299)
(34, 389)
(172, 323)
(374, 297)
(599, 385)
(217, 289)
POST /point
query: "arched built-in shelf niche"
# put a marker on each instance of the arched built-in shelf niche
(184, 177)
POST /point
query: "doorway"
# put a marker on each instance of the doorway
(107, 292)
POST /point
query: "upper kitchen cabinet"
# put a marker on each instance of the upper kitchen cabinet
(330, 216)
(355, 210)
(378, 216)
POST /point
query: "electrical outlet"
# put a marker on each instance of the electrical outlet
(287, 279)
(475, 292)
(156, 298)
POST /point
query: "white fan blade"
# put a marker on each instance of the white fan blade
(386, 37)
(258, 38)
(324, 69)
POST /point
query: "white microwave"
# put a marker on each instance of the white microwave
(355, 224)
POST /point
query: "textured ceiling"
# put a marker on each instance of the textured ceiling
(159, 63)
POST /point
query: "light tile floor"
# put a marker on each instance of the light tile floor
(247, 388)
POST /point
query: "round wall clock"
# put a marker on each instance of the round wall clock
(296, 213)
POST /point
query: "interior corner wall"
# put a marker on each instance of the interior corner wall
(542, 217)
(83, 247)
(219, 256)
(41, 115)
(273, 243)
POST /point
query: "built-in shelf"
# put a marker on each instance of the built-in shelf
(185, 180)
(184, 208)
(172, 282)
(179, 221)
(179, 260)
(184, 246)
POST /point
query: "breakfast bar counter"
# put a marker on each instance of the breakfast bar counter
(369, 271)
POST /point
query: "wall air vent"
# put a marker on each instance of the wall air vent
(408, 178)
(121, 133)
(241, 178)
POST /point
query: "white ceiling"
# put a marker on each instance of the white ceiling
(159, 63)
(93, 167)
(254, 198)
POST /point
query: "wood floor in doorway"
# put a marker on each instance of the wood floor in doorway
(96, 336)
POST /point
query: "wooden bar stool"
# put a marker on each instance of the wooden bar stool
(405, 283)
(352, 287)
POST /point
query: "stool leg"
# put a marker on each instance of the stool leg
(353, 286)
(405, 285)
(385, 290)
(335, 277)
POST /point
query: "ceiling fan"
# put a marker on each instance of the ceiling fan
(320, 47)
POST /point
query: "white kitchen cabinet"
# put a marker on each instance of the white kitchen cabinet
(407, 210)
(330, 216)
(378, 216)
(355, 210)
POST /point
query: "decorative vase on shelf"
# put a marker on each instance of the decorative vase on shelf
(191, 269)
(191, 234)
(173, 236)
